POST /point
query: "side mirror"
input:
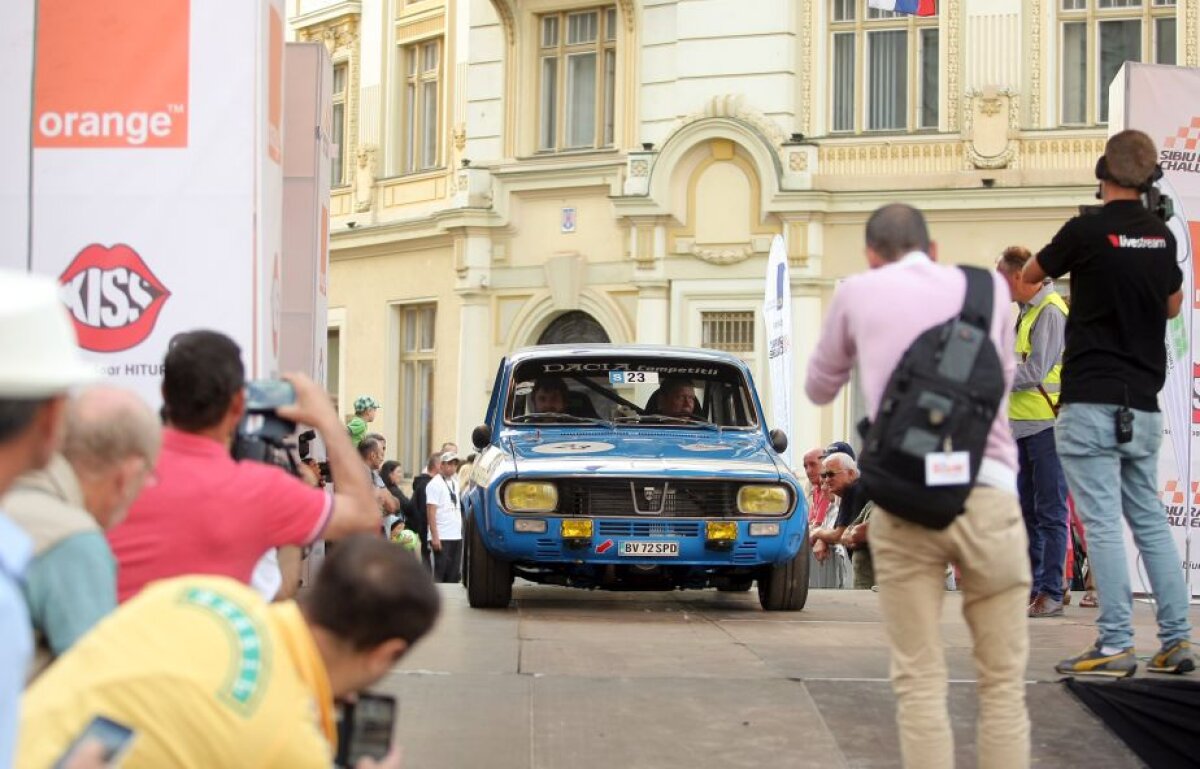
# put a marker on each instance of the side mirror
(779, 441)
(481, 437)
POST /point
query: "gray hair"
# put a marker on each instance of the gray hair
(842, 461)
(106, 425)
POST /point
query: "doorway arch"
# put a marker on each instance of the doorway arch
(573, 327)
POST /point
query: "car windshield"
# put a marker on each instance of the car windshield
(630, 390)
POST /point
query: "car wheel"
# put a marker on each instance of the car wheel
(489, 580)
(785, 588)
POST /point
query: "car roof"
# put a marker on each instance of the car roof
(667, 352)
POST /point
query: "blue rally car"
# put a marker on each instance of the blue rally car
(631, 468)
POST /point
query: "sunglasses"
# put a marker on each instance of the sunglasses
(831, 473)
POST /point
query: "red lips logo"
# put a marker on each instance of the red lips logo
(113, 297)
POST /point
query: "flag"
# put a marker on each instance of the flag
(911, 7)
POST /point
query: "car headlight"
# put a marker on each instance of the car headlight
(530, 497)
(763, 500)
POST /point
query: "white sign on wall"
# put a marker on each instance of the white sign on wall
(156, 172)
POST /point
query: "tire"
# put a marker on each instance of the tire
(489, 580)
(785, 588)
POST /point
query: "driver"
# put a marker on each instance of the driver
(677, 398)
(549, 397)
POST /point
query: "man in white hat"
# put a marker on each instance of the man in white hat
(40, 362)
(445, 520)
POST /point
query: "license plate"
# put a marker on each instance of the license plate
(659, 549)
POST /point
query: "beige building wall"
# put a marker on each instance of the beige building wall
(724, 128)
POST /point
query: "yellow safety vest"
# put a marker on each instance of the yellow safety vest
(1029, 405)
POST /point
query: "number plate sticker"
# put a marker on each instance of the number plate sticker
(632, 377)
(653, 549)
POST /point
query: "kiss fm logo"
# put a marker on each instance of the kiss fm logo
(111, 74)
(113, 297)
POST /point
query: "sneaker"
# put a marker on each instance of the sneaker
(1045, 606)
(1176, 658)
(1093, 663)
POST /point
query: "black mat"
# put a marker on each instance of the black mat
(1159, 719)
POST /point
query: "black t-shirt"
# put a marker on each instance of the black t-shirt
(1123, 269)
(853, 500)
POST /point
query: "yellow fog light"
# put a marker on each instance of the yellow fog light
(576, 528)
(530, 497)
(721, 531)
(763, 500)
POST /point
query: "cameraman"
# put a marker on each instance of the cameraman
(209, 514)
(1125, 284)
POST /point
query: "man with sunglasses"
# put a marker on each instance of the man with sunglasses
(839, 476)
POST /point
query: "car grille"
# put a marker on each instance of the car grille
(648, 528)
(647, 496)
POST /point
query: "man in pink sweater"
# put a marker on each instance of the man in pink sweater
(873, 319)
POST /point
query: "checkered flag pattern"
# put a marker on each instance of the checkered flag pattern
(1173, 495)
(1186, 138)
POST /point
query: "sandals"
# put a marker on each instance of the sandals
(1088, 601)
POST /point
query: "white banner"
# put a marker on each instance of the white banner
(1162, 101)
(157, 184)
(777, 314)
(16, 73)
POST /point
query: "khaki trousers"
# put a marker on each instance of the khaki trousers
(988, 544)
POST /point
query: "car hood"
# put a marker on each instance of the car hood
(645, 453)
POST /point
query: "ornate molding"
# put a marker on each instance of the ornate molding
(733, 106)
(879, 158)
(1035, 63)
(338, 33)
(1192, 25)
(953, 60)
(806, 67)
(364, 179)
(990, 104)
(507, 20)
(717, 255)
(627, 13)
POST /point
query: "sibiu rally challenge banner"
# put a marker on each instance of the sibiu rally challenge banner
(154, 146)
(1164, 101)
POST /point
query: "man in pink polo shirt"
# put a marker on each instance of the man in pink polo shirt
(874, 318)
(206, 513)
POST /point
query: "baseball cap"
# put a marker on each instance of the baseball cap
(41, 355)
(449, 456)
(364, 402)
(838, 447)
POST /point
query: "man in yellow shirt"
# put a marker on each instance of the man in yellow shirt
(207, 674)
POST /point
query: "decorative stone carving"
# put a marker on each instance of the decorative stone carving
(507, 19)
(733, 106)
(627, 13)
(342, 32)
(460, 136)
(1192, 26)
(364, 179)
(806, 65)
(1035, 62)
(953, 10)
(992, 121)
(797, 161)
(639, 167)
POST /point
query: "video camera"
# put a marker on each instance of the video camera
(262, 435)
(1152, 197)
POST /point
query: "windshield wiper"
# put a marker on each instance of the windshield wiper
(555, 416)
(664, 419)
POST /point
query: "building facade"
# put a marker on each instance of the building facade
(513, 172)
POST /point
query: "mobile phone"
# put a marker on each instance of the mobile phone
(1124, 424)
(268, 394)
(366, 728)
(116, 739)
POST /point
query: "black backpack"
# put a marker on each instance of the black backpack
(943, 396)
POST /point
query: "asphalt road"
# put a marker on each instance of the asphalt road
(572, 679)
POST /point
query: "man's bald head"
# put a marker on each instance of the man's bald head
(896, 229)
(107, 425)
(812, 465)
(111, 442)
